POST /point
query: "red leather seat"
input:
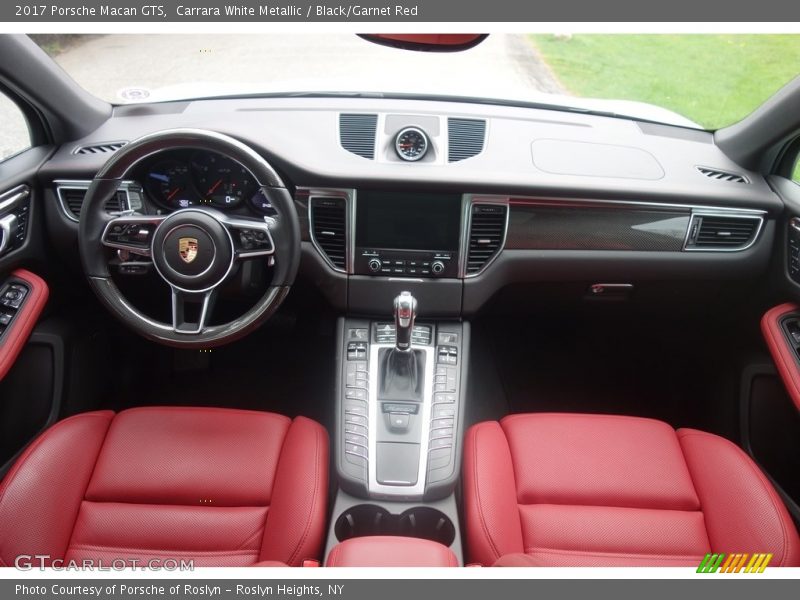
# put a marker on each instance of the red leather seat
(594, 490)
(220, 487)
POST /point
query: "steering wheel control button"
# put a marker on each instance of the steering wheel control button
(254, 240)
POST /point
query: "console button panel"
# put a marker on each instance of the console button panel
(431, 424)
(405, 263)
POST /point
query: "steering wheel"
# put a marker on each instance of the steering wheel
(194, 250)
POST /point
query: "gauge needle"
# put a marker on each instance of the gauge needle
(173, 192)
(214, 187)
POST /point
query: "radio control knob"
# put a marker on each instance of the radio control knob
(437, 267)
(374, 265)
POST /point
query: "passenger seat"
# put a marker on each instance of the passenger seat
(596, 490)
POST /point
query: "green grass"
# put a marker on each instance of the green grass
(796, 174)
(714, 80)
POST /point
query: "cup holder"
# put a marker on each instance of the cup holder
(362, 520)
(427, 523)
(419, 522)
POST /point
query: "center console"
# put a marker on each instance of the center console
(401, 369)
(399, 421)
(399, 405)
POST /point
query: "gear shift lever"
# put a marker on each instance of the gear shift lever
(401, 367)
(405, 313)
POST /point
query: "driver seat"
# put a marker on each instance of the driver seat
(220, 487)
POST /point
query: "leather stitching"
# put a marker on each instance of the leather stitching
(760, 478)
(541, 549)
(140, 551)
(313, 499)
(88, 483)
(487, 534)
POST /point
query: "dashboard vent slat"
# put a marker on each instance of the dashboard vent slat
(712, 232)
(329, 229)
(72, 201)
(102, 148)
(357, 134)
(465, 138)
(722, 175)
(486, 234)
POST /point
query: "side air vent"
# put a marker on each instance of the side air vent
(465, 138)
(105, 148)
(487, 233)
(722, 232)
(71, 199)
(357, 134)
(722, 175)
(328, 224)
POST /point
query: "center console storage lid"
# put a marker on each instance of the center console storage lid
(390, 551)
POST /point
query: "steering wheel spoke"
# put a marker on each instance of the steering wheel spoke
(191, 310)
(132, 233)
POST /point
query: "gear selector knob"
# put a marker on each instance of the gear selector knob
(405, 313)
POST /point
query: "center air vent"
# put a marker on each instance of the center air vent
(328, 226)
(357, 134)
(103, 148)
(487, 233)
(465, 138)
(722, 175)
(722, 232)
(71, 198)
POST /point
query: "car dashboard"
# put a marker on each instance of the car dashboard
(454, 201)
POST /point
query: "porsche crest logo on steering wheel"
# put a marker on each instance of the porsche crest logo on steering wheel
(187, 248)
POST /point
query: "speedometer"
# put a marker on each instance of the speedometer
(221, 181)
(168, 182)
(411, 144)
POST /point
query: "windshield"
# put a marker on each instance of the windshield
(696, 80)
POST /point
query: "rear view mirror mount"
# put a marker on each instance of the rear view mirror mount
(427, 42)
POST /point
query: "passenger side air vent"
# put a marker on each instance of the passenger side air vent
(722, 232)
(100, 148)
(487, 233)
(465, 138)
(328, 226)
(723, 175)
(357, 134)
(71, 199)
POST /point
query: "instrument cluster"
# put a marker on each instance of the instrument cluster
(180, 179)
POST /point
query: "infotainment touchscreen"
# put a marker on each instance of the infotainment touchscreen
(408, 220)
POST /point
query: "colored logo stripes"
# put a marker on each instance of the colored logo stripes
(734, 563)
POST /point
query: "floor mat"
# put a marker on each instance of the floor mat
(284, 367)
(683, 372)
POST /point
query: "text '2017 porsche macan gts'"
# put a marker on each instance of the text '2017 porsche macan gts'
(359, 313)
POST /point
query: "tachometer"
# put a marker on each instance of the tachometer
(169, 183)
(411, 144)
(221, 181)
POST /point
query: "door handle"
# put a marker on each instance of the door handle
(8, 228)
